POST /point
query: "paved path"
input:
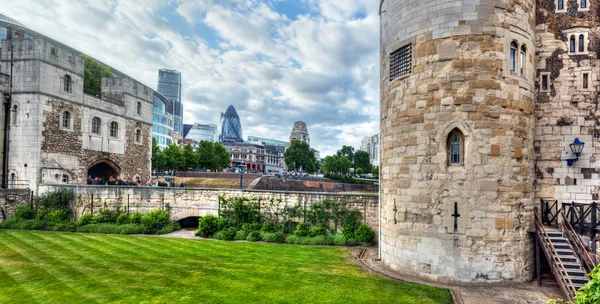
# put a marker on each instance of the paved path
(526, 293)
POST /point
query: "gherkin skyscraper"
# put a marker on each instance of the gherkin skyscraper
(231, 128)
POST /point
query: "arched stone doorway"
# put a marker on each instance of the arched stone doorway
(104, 169)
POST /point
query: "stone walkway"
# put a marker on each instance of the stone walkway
(526, 293)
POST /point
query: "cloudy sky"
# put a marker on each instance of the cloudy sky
(276, 61)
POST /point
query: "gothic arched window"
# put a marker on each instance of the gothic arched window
(114, 129)
(66, 120)
(572, 44)
(455, 148)
(513, 57)
(581, 43)
(96, 125)
(67, 83)
(523, 59)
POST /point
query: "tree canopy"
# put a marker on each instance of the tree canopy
(208, 155)
(339, 165)
(300, 157)
(93, 72)
(346, 151)
(362, 161)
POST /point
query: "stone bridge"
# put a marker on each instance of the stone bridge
(190, 202)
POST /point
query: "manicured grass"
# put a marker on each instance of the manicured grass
(53, 267)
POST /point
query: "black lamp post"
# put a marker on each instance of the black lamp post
(576, 148)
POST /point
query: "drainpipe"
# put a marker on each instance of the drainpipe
(7, 101)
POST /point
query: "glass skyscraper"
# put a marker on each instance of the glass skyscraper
(231, 128)
(200, 132)
(169, 85)
(162, 121)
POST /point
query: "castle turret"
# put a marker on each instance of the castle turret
(457, 102)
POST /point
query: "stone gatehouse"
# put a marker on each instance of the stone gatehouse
(59, 134)
(480, 101)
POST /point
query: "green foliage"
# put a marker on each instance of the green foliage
(375, 172)
(347, 152)
(85, 220)
(135, 218)
(302, 229)
(169, 228)
(221, 158)
(174, 157)
(319, 214)
(253, 236)
(227, 234)
(274, 237)
(205, 154)
(207, 226)
(106, 216)
(336, 165)
(339, 240)
(223, 223)
(159, 159)
(241, 235)
(267, 227)
(108, 228)
(65, 227)
(15, 223)
(55, 200)
(190, 158)
(362, 161)
(300, 157)
(93, 72)
(240, 210)
(25, 213)
(317, 240)
(364, 234)
(155, 220)
(557, 301)
(316, 231)
(123, 219)
(590, 292)
(56, 216)
(359, 171)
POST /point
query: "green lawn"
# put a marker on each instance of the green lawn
(51, 267)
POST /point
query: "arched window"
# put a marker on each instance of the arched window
(13, 180)
(66, 120)
(523, 59)
(114, 129)
(561, 4)
(513, 57)
(67, 83)
(139, 108)
(455, 148)
(96, 125)
(15, 115)
(581, 43)
(138, 136)
(572, 44)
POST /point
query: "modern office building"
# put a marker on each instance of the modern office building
(199, 132)
(169, 85)
(186, 129)
(162, 121)
(269, 142)
(231, 127)
(370, 144)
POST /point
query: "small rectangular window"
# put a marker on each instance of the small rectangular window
(544, 82)
(401, 62)
(586, 77)
(583, 4)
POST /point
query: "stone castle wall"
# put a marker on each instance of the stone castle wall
(567, 110)
(461, 81)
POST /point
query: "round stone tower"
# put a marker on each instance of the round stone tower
(457, 102)
(300, 132)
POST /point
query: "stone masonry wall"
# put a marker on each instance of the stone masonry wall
(567, 110)
(185, 202)
(460, 81)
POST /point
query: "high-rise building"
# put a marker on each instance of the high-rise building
(162, 121)
(169, 85)
(231, 127)
(300, 132)
(199, 132)
(370, 144)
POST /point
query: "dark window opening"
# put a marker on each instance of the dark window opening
(513, 57)
(545, 82)
(585, 81)
(189, 222)
(572, 44)
(66, 121)
(581, 44)
(401, 62)
(455, 148)
(561, 4)
(67, 83)
(583, 4)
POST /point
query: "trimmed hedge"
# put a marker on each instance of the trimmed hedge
(253, 236)
(107, 228)
(227, 234)
(275, 237)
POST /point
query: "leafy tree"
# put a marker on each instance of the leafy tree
(205, 154)
(590, 292)
(299, 157)
(359, 171)
(158, 157)
(375, 171)
(174, 157)
(346, 151)
(362, 161)
(190, 158)
(221, 158)
(336, 165)
(93, 72)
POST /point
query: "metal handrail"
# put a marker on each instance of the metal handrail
(563, 278)
(582, 253)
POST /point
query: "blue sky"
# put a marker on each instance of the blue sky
(276, 61)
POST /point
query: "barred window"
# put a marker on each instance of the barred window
(401, 62)
(455, 148)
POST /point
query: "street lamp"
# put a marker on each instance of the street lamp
(576, 148)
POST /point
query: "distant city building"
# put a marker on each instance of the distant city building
(275, 149)
(300, 132)
(317, 156)
(231, 127)
(162, 121)
(200, 132)
(186, 129)
(247, 156)
(370, 144)
(169, 85)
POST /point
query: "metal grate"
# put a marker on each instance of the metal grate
(401, 62)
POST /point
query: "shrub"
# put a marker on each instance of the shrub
(207, 226)
(15, 223)
(169, 228)
(339, 239)
(85, 220)
(9, 223)
(155, 220)
(315, 231)
(275, 237)
(60, 199)
(135, 218)
(131, 229)
(25, 213)
(254, 227)
(240, 210)
(227, 234)
(108, 228)
(223, 223)
(241, 235)
(66, 227)
(253, 236)
(303, 240)
(302, 229)
(123, 219)
(56, 216)
(364, 234)
(590, 292)
(267, 227)
(106, 216)
(348, 230)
